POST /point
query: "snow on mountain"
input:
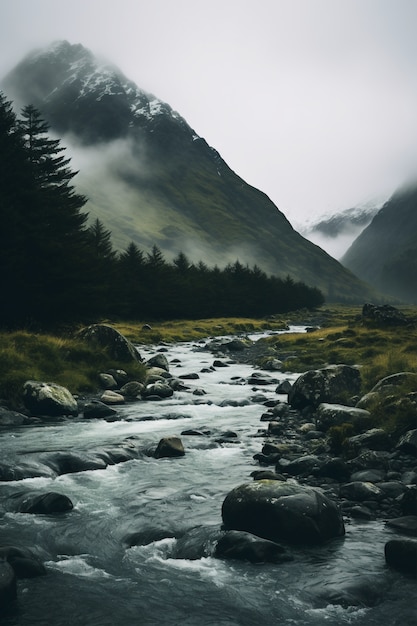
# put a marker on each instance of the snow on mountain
(335, 232)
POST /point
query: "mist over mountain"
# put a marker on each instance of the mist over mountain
(385, 253)
(151, 179)
(337, 231)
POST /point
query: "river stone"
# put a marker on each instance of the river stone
(107, 381)
(24, 563)
(401, 554)
(7, 584)
(118, 347)
(284, 387)
(408, 442)
(169, 447)
(243, 546)
(408, 501)
(406, 524)
(160, 361)
(132, 389)
(282, 512)
(302, 466)
(373, 439)
(48, 399)
(159, 389)
(336, 469)
(43, 503)
(382, 315)
(333, 384)
(10, 419)
(328, 415)
(71, 462)
(359, 491)
(97, 410)
(112, 397)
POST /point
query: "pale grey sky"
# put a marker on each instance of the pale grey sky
(312, 101)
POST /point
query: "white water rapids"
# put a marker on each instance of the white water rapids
(94, 578)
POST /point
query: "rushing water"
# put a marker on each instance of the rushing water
(95, 578)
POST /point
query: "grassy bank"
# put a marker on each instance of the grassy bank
(341, 338)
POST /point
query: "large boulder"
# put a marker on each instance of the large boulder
(282, 512)
(334, 384)
(383, 315)
(401, 554)
(118, 347)
(48, 399)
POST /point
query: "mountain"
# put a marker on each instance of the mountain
(385, 253)
(335, 232)
(152, 179)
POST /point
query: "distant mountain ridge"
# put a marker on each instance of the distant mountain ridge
(385, 253)
(152, 179)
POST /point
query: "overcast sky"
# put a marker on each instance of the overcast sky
(312, 101)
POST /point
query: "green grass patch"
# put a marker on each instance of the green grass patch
(65, 361)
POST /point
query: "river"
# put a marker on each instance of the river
(96, 578)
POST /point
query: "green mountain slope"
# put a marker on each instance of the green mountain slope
(385, 253)
(152, 180)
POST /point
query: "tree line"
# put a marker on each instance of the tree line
(56, 268)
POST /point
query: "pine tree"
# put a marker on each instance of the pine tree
(49, 268)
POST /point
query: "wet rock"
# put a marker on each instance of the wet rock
(23, 562)
(48, 399)
(9, 472)
(169, 447)
(373, 439)
(408, 443)
(361, 593)
(191, 376)
(303, 466)
(160, 389)
(332, 384)
(272, 364)
(284, 387)
(41, 503)
(401, 554)
(369, 476)
(72, 462)
(359, 491)
(97, 410)
(7, 584)
(336, 469)
(132, 389)
(160, 361)
(282, 512)
(219, 363)
(361, 512)
(11, 419)
(406, 524)
(267, 475)
(392, 489)
(112, 397)
(408, 501)
(328, 415)
(105, 336)
(107, 381)
(370, 459)
(243, 546)
(196, 543)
